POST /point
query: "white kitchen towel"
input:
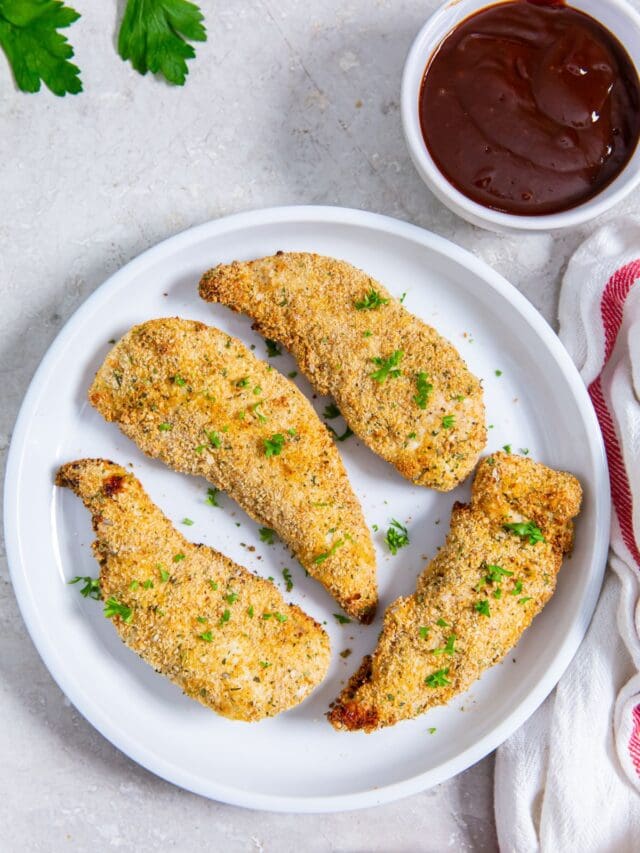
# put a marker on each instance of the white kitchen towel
(569, 779)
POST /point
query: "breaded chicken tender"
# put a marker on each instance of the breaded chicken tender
(401, 387)
(495, 572)
(198, 399)
(223, 635)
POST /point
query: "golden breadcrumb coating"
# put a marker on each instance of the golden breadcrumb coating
(424, 413)
(222, 634)
(198, 399)
(475, 598)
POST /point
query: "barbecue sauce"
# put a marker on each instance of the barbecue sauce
(530, 107)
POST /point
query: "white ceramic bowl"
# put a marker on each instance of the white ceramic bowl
(618, 16)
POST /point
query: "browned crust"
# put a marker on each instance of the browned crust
(170, 384)
(198, 620)
(392, 685)
(308, 303)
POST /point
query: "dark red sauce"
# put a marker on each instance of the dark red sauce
(530, 107)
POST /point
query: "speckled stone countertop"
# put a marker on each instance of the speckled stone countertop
(288, 102)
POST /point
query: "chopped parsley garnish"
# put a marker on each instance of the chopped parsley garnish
(424, 391)
(165, 427)
(482, 607)
(187, 521)
(178, 557)
(225, 617)
(262, 418)
(280, 617)
(273, 446)
(517, 588)
(257, 391)
(448, 421)
(325, 556)
(397, 536)
(179, 381)
(524, 529)
(331, 411)
(91, 588)
(292, 374)
(148, 584)
(498, 373)
(524, 600)
(242, 383)
(211, 498)
(201, 619)
(387, 367)
(214, 439)
(288, 580)
(402, 298)
(371, 300)
(438, 678)
(200, 448)
(367, 333)
(250, 611)
(432, 730)
(524, 451)
(441, 623)
(267, 535)
(506, 448)
(345, 435)
(113, 608)
(497, 592)
(343, 620)
(272, 348)
(207, 637)
(424, 632)
(264, 664)
(134, 584)
(449, 649)
(231, 597)
(213, 585)
(496, 573)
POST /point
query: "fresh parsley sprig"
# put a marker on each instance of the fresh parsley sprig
(36, 51)
(155, 34)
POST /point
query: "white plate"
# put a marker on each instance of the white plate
(297, 762)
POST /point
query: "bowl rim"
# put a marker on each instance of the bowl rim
(420, 53)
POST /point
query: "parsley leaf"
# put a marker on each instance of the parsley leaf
(345, 435)
(272, 348)
(371, 300)
(343, 620)
(325, 556)
(331, 411)
(449, 649)
(424, 391)
(212, 497)
(482, 607)
(438, 678)
(91, 588)
(397, 536)
(288, 580)
(387, 367)
(113, 608)
(154, 35)
(448, 421)
(273, 446)
(524, 529)
(36, 51)
(267, 535)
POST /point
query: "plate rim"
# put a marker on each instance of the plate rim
(563, 655)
